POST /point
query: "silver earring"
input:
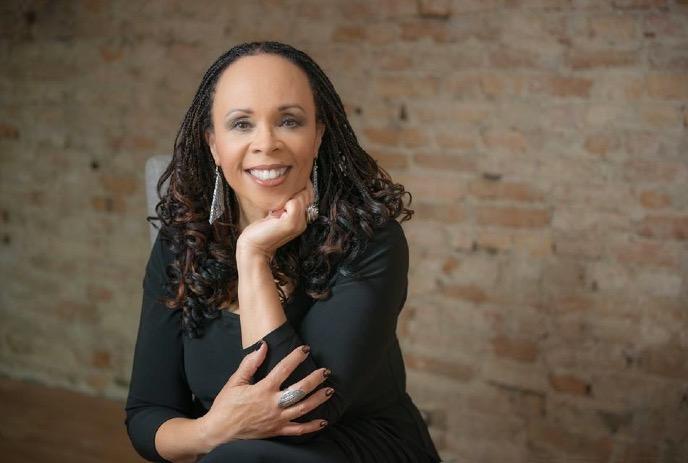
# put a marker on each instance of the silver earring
(217, 207)
(312, 209)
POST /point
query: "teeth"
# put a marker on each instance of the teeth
(268, 174)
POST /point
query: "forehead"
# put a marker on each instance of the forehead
(263, 81)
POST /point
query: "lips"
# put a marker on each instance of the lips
(269, 177)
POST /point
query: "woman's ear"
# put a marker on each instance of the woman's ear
(210, 140)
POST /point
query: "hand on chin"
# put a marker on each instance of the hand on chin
(278, 227)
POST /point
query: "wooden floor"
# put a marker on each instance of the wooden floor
(42, 424)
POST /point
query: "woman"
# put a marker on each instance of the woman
(271, 299)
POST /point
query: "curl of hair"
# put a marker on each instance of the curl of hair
(357, 198)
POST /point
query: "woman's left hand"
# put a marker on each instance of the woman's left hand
(282, 225)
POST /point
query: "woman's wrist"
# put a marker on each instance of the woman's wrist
(205, 436)
(250, 253)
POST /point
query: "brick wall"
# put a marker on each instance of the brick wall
(545, 143)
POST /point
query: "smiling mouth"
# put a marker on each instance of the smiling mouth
(268, 174)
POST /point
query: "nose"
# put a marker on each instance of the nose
(265, 140)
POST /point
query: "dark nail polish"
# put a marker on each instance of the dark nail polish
(329, 391)
(326, 372)
(323, 423)
(306, 349)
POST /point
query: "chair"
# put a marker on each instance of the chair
(155, 165)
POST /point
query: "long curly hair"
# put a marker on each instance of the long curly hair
(357, 197)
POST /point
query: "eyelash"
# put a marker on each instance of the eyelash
(296, 122)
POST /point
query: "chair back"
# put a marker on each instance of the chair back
(155, 165)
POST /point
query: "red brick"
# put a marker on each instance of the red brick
(441, 162)
(654, 199)
(602, 143)
(352, 33)
(506, 57)
(649, 170)
(468, 292)
(511, 141)
(664, 227)
(668, 360)
(434, 8)
(382, 136)
(513, 191)
(114, 204)
(639, 4)
(503, 85)
(522, 350)
(667, 86)
(391, 161)
(119, 184)
(454, 140)
(132, 142)
(450, 369)
(512, 217)
(661, 116)
(446, 213)
(647, 253)
(570, 384)
(382, 33)
(449, 265)
(432, 186)
(612, 28)
(561, 86)
(425, 29)
(601, 58)
(8, 131)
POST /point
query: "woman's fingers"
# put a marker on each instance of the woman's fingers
(248, 366)
(307, 405)
(297, 429)
(285, 367)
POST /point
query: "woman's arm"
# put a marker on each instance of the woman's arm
(261, 310)
(159, 401)
(351, 331)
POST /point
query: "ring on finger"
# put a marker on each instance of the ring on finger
(290, 397)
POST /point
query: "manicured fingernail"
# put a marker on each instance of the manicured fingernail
(323, 423)
(326, 373)
(306, 349)
(260, 344)
(329, 391)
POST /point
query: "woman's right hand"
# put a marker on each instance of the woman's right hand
(243, 410)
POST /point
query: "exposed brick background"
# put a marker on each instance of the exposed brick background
(545, 143)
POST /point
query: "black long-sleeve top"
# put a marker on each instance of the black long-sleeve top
(353, 333)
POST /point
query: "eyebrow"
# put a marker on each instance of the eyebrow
(281, 108)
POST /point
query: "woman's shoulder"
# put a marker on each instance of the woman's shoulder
(387, 248)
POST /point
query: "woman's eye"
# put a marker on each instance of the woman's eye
(289, 122)
(240, 125)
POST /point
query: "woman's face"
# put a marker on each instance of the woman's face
(264, 135)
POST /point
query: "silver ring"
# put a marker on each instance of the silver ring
(311, 213)
(289, 398)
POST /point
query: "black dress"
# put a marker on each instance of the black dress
(353, 333)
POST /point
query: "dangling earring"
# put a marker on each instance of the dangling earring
(217, 207)
(312, 209)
